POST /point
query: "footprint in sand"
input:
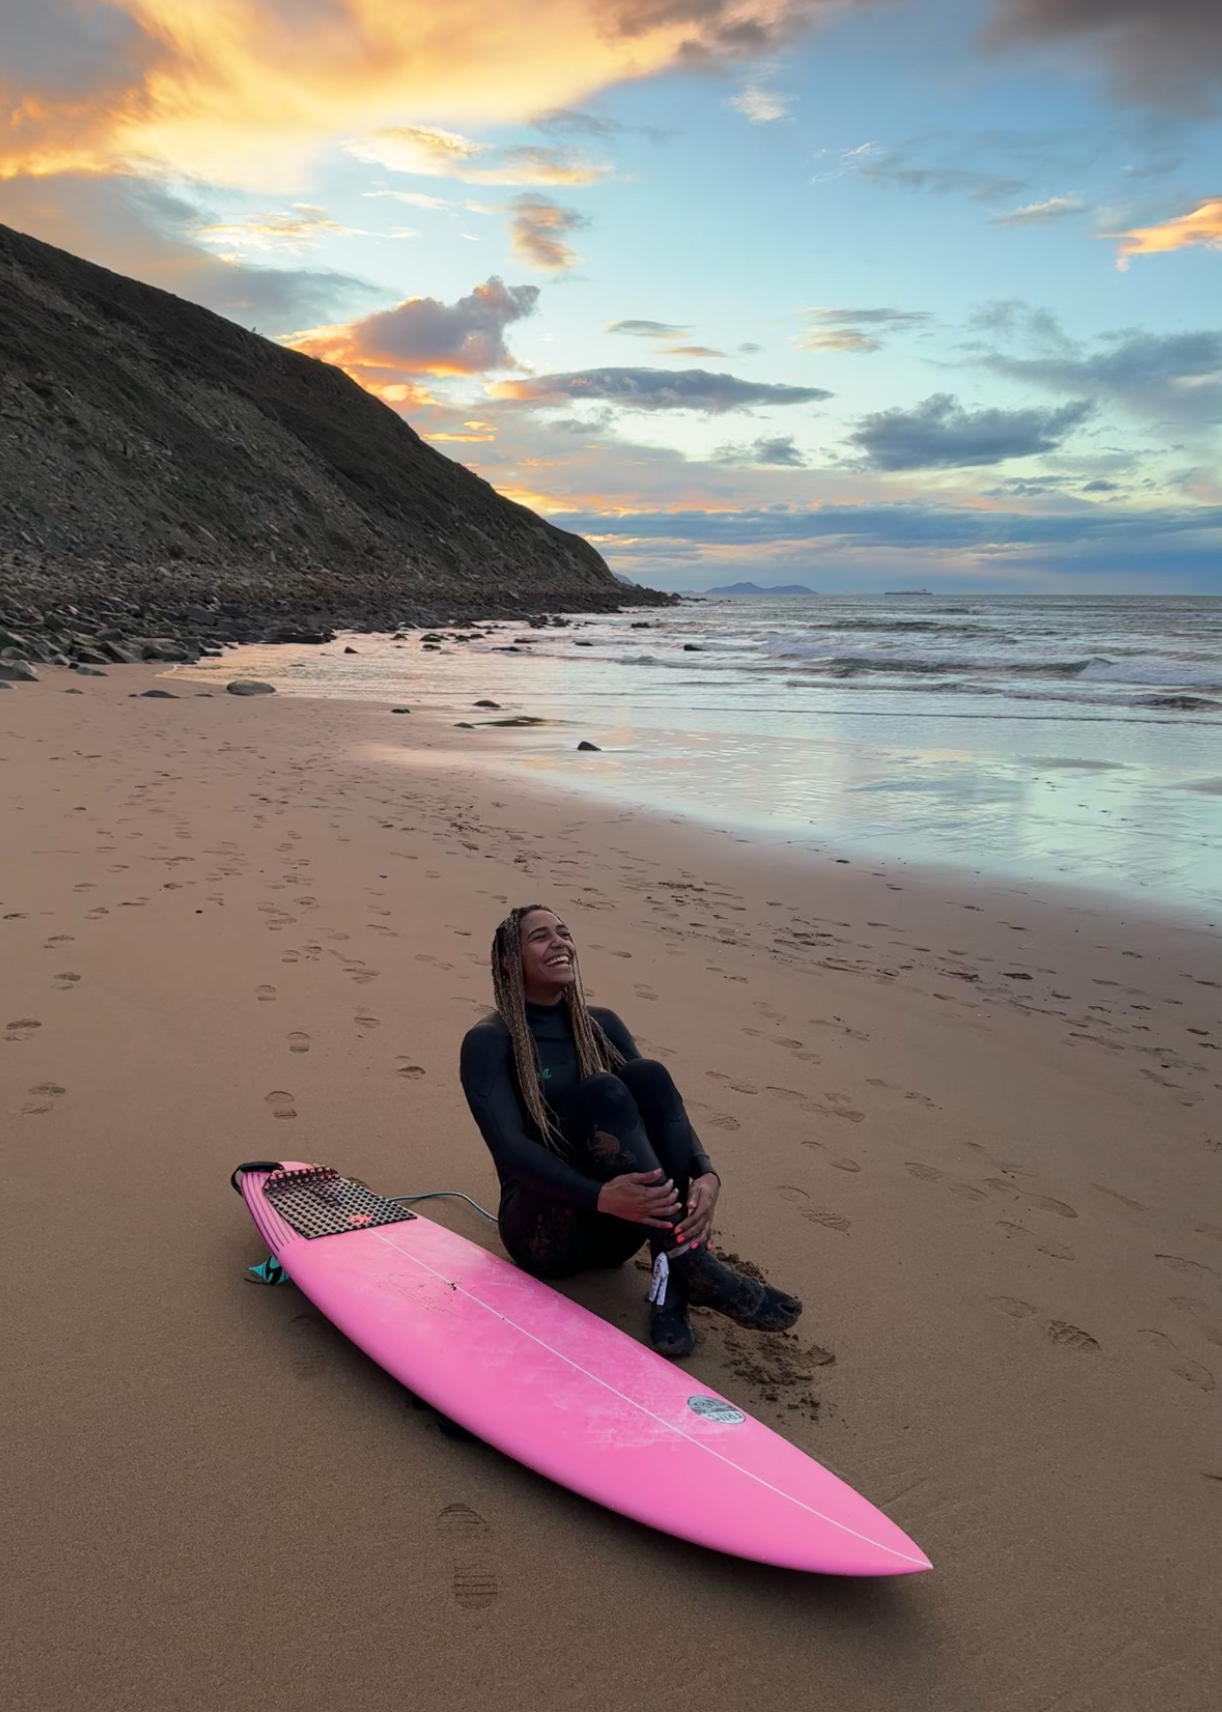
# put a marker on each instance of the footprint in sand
(312, 1336)
(643, 992)
(1177, 1263)
(769, 1011)
(265, 994)
(1192, 1305)
(1071, 1337)
(1056, 1250)
(1042, 1203)
(468, 1539)
(738, 1087)
(722, 1120)
(290, 957)
(66, 981)
(921, 1099)
(365, 1022)
(21, 1029)
(839, 1027)
(843, 1107)
(280, 1104)
(299, 1042)
(42, 1097)
(96, 914)
(816, 1215)
(58, 939)
(1014, 1306)
(930, 1174)
(1181, 1365)
(1133, 1206)
(405, 1067)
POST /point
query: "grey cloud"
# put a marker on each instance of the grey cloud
(856, 329)
(777, 451)
(464, 337)
(1167, 54)
(871, 317)
(693, 351)
(910, 526)
(135, 227)
(893, 172)
(1174, 377)
(537, 232)
(658, 389)
(1041, 213)
(72, 48)
(719, 31)
(648, 329)
(941, 435)
(581, 123)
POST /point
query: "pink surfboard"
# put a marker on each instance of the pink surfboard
(557, 1388)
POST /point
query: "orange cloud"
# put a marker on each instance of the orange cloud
(243, 90)
(1202, 226)
(422, 336)
(537, 233)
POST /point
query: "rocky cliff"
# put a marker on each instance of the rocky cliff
(161, 464)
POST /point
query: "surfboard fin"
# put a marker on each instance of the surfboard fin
(268, 1271)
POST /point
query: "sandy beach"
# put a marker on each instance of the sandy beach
(974, 1125)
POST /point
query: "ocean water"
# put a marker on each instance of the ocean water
(1038, 738)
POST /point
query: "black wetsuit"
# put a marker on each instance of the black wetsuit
(631, 1121)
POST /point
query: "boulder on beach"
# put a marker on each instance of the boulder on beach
(250, 686)
(349, 650)
(492, 704)
(584, 745)
(90, 672)
(156, 695)
(400, 710)
(17, 672)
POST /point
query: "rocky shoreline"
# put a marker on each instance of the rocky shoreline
(51, 614)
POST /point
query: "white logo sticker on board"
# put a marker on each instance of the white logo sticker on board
(716, 1409)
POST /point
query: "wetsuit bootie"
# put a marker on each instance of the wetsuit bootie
(670, 1329)
(710, 1283)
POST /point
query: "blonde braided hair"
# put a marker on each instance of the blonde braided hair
(595, 1052)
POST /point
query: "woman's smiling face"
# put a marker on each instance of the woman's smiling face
(549, 957)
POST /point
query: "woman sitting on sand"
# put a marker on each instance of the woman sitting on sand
(591, 1142)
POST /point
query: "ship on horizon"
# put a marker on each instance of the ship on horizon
(894, 594)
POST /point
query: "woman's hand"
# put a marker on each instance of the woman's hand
(640, 1198)
(697, 1224)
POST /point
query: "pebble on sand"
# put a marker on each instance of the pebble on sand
(400, 710)
(250, 686)
(584, 745)
(155, 695)
(492, 704)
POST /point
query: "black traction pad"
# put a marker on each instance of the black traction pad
(319, 1202)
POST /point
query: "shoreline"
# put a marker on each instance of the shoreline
(973, 1127)
(446, 739)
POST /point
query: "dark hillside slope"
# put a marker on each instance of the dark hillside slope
(156, 453)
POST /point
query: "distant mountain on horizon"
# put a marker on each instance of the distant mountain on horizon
(754, 588)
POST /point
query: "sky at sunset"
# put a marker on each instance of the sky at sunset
(854, 293)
